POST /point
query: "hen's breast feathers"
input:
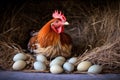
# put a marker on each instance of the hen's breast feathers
(54, 44)
(51, 44)
(51, 38)
(48, 39)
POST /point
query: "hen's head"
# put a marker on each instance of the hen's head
(58, 24)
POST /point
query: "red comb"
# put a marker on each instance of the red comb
(59, 15)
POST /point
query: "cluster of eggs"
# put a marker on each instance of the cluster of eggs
(87, 66)
(40, 63)
(19, 61)
(57, 65)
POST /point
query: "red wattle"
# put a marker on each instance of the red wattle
(58, 29)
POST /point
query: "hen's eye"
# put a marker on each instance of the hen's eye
(57, 21)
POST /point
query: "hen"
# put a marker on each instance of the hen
(51, 40)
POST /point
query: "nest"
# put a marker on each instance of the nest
(95, 30)
(8, 50)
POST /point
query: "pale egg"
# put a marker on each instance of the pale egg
(19, 56)
(19, 65)
(56, 69)
(83, 66)
(39, 66)
(61, 58)
(95, 69)
(68, 67)
(72, 60)
(41, 58)
(56, 61)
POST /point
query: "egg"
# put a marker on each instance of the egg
(56, 61)
(95, 69)
(83, 66)
(61, 58)
(41, 58)
(72, 60)
(19, 65)
(39, 66)
(68, 67)
(19, 56)
(56, 69)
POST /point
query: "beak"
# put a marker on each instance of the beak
(66, 23)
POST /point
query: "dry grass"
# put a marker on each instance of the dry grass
(7, 50)
(94, 27)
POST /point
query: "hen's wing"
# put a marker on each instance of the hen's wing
(65, 39)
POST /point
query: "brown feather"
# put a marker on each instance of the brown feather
(65, 39)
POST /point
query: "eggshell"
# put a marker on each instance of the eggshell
(19, 56)
(41, 58)
(61, 58)
(19, 65)
(39, 66)
(56, 61)
(56, 69)
(83, 66)
(95, 69)
(68, 67)
(72, 60)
